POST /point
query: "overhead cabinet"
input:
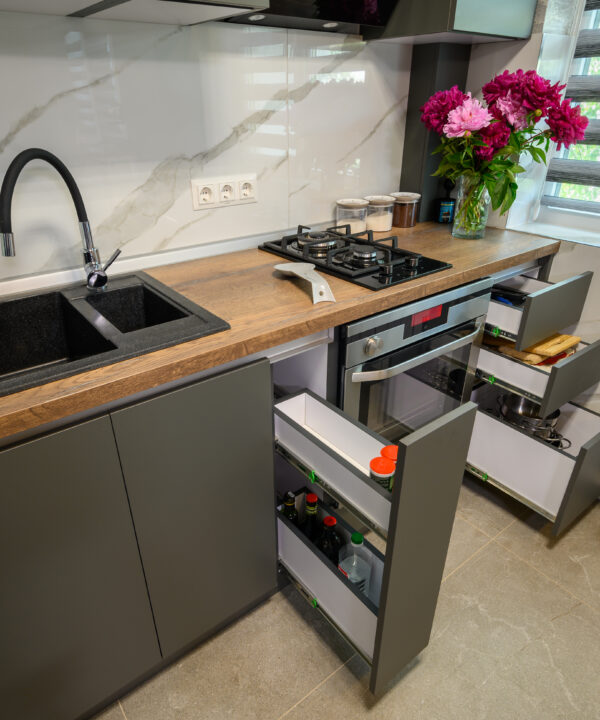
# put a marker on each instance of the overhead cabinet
(415, 21)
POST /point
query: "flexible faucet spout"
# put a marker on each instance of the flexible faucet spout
(91, 255)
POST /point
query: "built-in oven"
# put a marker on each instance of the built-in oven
(405, 367)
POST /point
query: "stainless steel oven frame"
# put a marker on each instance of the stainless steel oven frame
(374, 337)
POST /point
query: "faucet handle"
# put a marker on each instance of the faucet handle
(111, 259)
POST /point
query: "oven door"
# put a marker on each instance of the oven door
(399, 392)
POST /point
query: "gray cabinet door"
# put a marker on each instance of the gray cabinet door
(198, 465)
(75, 620)
(429, 473)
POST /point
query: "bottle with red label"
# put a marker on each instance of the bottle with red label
(311, 526)
(330, 542)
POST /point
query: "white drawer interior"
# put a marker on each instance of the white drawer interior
(509, 318)
(337, 449)
(529, 378)
(531, 468)
(354, 613)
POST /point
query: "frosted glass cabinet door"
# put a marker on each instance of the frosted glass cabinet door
(75, 621)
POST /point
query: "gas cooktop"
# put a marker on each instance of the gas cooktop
(356, 257)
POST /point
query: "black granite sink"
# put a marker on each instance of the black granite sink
(45, 332)
(65, 331)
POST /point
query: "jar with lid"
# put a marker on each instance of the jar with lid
(379, 212)
(406, 208)
(352, 212)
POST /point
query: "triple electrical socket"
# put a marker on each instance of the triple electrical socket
(228, 190)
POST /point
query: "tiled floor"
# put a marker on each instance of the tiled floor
(516, 635)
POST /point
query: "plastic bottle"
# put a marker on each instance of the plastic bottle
(289, 507)
(329, 541)
(355, 563)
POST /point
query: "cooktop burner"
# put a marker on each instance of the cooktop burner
(357, 257)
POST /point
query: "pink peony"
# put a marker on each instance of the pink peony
(512, 111)
(435, 111)
(566, 123)
(467, 118)
(496, 135)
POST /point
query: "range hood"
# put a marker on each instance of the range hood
(415, 21)
(170, 12)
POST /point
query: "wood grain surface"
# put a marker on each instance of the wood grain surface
(264, 308)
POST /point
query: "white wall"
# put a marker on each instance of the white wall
(135, 110)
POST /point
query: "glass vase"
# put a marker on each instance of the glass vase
(472, 208)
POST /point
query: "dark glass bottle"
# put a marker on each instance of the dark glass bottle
(329, 541)
(289, 507)
(311, 525)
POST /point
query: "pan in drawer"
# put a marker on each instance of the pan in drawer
(550, 387)
(350, 610)
(559, 484)
(547, 308)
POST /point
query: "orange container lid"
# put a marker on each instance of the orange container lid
(382, 466)
(390, 452)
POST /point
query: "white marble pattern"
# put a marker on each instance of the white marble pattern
(136, 110)
(347, 136)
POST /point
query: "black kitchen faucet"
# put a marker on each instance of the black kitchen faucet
(96, 274)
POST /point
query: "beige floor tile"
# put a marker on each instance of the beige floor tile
(254, 670)
(573, 560)
(506, 644)
(464, 542)
(487, 508)
(111, 713)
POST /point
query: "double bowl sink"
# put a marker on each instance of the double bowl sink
(62, 332)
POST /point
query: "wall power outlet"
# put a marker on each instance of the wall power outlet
(222, 191)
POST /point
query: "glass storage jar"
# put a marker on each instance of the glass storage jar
(353, 212)
(379, 212)
(406, 208)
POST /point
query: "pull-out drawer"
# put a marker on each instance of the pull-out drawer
(546, 308)
(558, 483)
(334, 451)
(353, 612)
(550, 386)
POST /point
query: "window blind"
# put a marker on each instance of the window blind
(577, 167)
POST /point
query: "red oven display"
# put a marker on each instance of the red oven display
(425, 315)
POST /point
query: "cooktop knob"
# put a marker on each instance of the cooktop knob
(372, 345)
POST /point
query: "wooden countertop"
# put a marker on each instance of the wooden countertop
(264, 308)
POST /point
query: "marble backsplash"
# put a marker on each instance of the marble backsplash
(136, 110)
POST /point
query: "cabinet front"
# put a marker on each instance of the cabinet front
(198, 465)
(75, 621)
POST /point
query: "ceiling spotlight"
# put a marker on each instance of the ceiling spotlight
(328, 25)
(255, 18)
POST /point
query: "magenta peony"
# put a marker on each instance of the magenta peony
(435, 111)
(511, 110)
(501, 85)
(496, 135)
(538, 93)
(566, 123)
(467, 118)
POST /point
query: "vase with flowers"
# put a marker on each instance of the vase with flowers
(481, 145)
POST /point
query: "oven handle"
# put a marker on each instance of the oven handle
(371, 375)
